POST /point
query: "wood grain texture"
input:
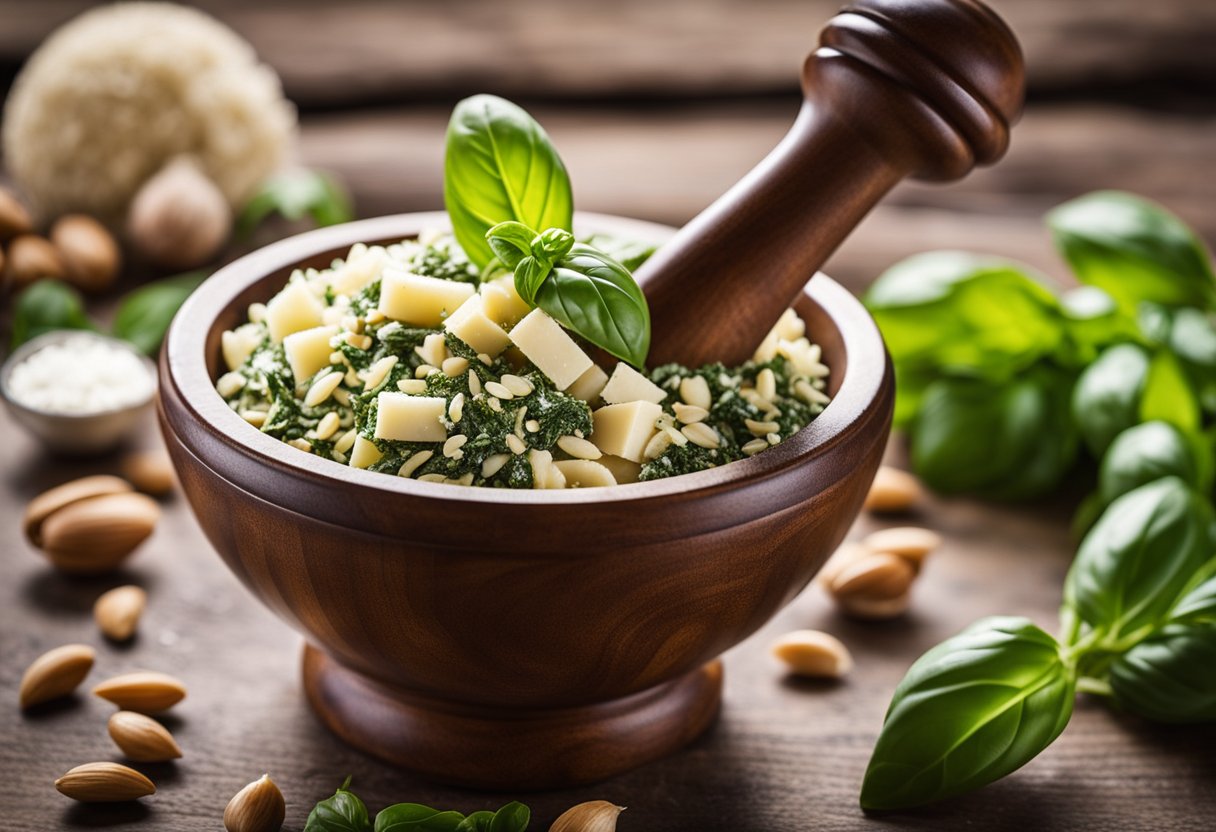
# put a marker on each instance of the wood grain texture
(335, 54)
(566, 599)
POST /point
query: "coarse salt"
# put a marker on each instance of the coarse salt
(80, 375)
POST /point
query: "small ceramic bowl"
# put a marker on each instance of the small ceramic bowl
(504, 638)
(76, 434)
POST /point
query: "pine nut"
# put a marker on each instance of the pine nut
(701, 434)
(474, 383)
(694, 390)
(755, 446)
(498, 390)
(456, 408)
(892, 491)
(766, 384)
(451, 448)
(516, 444)
(876, 576)
(415, 462)
(517, 385)
(908, 542)
(454, 366)
(657, 445)
(579, 448)
(322, 389)
(230, 384)
(378, 371)
(813, 653)
(346, 442)
(761, 428)
(493, 464)
(328, 425)
(690, 414)
(413, 386)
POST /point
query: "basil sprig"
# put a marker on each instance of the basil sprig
(345, 812)
(581, 287)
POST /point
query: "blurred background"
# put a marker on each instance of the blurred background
(659, 107)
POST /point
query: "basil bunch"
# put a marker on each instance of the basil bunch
(502, 178)
(296, 194)
(1138, 625)
(345, 812)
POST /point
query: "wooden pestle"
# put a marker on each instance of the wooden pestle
(923, 88)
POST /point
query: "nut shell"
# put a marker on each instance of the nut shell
(96, 535)
(89, 252)
(14, 218)
(592, 816)
(259, 807)
(142, 739)
(144, 691)
(878, 576)
(104, 783)
(117, 612)
(150, 471)
(49, 502)
(55, 673)
(32, 258)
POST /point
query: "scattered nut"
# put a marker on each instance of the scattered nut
(876, 576)
(144, 691)
(14, 218)
(89, 253)
(55, 673)
(117, 612)
(32, 258)
(874, 609)
(259, 807)
(150, 472)
(893, 491)
(104, 783)
(96, 535)
(813, 653)
(592, 816)
(842, 557)
(910, 543)
(49, 502)
(142, 738)
(179, 218)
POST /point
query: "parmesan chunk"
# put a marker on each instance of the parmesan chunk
(588, 386)
(622, 470)
(308, 351)
(470, 324)
(364, 454)
(624, 429)
(420, 300)
(359, 270)
(628, 385)
(583, 473)
(409, 418)
(502, 303)
(238, 344)
(547, 345)
(294, 309)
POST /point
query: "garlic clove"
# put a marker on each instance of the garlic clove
(592, 816)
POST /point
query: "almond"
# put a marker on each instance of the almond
(848, 553)
(893, 491)
(876, 576)
(910, 543)
(592, 816)
(144, 691)
(96, 535)
(32, 258)
(49, 502)
(117, 612)
(89, 253)
(55, 673)
(142, 738)
(259, 807)
(104, 783)
(150, 471)
(874, 609)
(14, 218)
(813, 653)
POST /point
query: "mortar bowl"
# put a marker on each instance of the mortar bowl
(515, 639)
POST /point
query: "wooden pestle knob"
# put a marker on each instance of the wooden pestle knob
(924, 88)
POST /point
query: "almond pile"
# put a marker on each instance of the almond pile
(80, 250)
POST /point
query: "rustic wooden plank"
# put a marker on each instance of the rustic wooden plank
(331, 53)
(785, 755)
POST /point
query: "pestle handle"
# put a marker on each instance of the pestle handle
(923, 88)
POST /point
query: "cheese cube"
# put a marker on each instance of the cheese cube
(588, 386)
(293, 309)
(409, 418)
(308, 351)
(545, 474)
(622, 470)
(359, 270)
(628, 385)
(238, 344)
(583, 473)
(364, 454)
(624, 429)
(420, 300)
(470, 324)
(547, 345)
(502, 303)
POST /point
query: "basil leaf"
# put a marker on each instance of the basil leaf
(530, 273)
(1139, 557)
(629, 253)
(511, 242)
(144, 315)
(499, 165)
(1007, 441)
(1167, 393)
(293, 195)
(46, 306)
(413, 817)
(514, 817)
(1169, 676)
(476, 822)
(1198, 605)
(1145, 453)
(970, 711)
(1094, 322)
(595, 296)
(1134, 249)
(344, 812)
(1107, 397)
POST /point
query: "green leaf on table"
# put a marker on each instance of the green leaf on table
(1170, 676)
(343, 812)
(144, 315)
(970, 711)
(1106, 400)
(294, 195)
(1007, 441)
(1133, 249)
(1139, 558)
(44, 307)
(413, 817)
(500, 165)
(1148, 452)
